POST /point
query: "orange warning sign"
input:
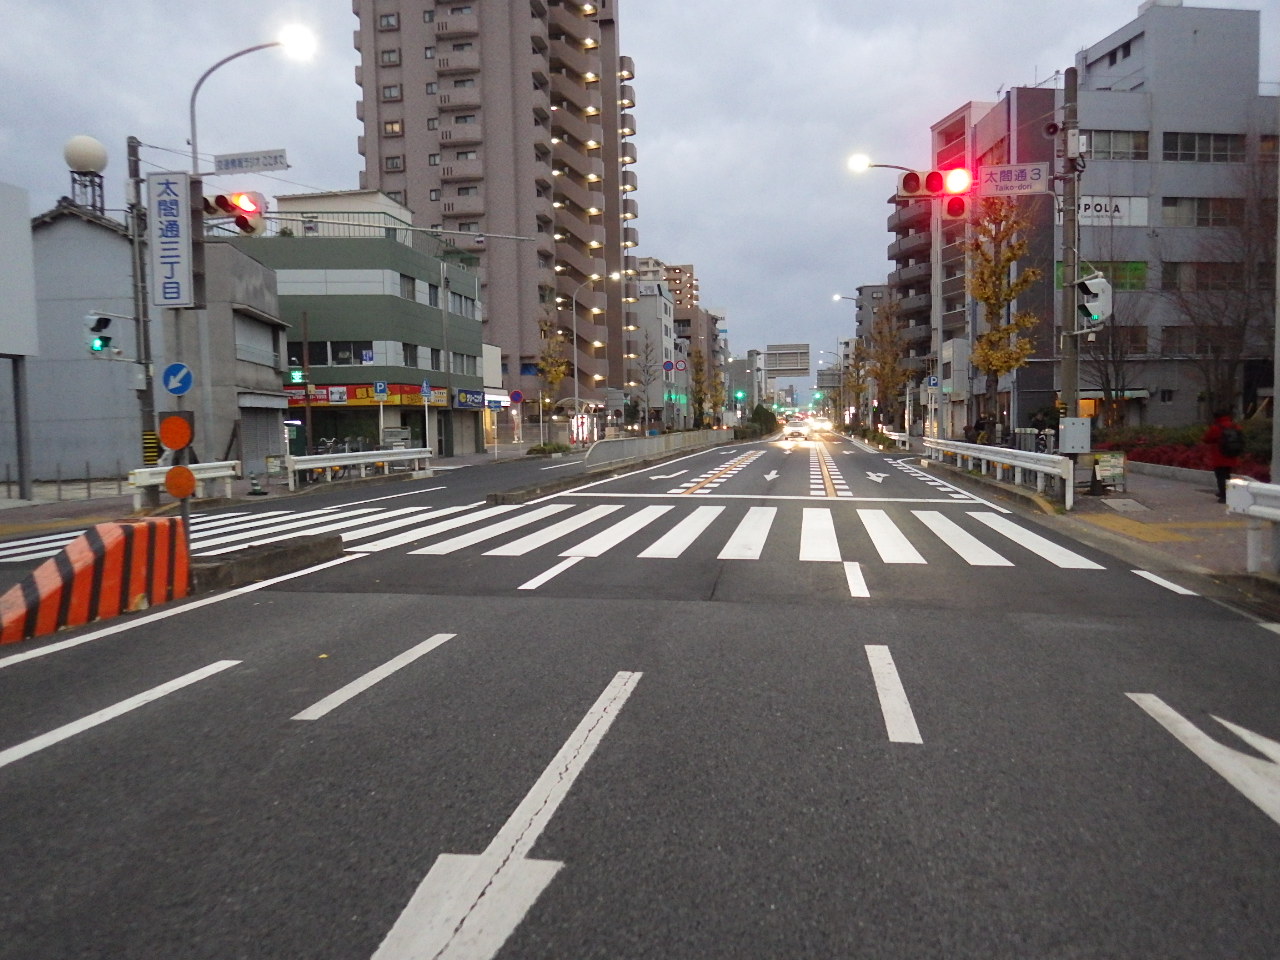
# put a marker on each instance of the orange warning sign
(175, 432)
(179, 481)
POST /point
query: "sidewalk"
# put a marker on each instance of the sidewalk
(104, 500)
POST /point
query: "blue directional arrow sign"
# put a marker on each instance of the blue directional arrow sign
(177, 378)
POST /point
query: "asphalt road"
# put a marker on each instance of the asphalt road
(763, 701)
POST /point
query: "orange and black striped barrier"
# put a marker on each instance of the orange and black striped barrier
(112, 568)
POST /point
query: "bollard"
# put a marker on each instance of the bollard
(255, 489)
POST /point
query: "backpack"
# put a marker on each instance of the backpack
(1231, 441)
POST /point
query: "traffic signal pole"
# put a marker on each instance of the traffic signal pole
(1069, 387)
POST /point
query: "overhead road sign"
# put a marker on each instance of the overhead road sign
(260, 161)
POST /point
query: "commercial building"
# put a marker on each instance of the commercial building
(1176, 205)
(385, 330)
(506, 127)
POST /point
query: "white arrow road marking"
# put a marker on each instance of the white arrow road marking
(899, 721)
(1259, 780)
(877, 477)
(669, 476)
(771, 476)
(468, 905)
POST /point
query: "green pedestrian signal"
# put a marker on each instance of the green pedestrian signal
(297, 375)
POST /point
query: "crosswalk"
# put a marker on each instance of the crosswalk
(977, 537)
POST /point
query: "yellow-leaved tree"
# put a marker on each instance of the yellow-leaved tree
(995, 245)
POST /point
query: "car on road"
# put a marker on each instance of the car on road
(796, 428)
(820, 423)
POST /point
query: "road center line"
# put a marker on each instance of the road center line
(110, 713)
(899, 721)
(361, 684)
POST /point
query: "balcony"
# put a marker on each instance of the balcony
(626, 68)
(577, 194)
(565, 54)
(579, 161)
(630, 209)
(916, 244)
(626, 96)
(466, 98)
(917, 333)
(955, 320)
(954, 287)
(573, 91)
(628, 153)
(565, 121)
(462, 135)
(630, 237)
(921, 301)
(458, 25)
(463, 207)
(465, 62)
(627, 125)
(914, 214)
(911, 274)
(628, 181)
(461, 170)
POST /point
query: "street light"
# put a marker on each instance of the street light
(860, 162)
(573, 300)
(297, 42)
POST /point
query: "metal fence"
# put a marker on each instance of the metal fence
(1048, 472)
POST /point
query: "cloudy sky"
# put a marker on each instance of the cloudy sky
(746, 111)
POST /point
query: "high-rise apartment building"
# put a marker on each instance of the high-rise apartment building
(505, 126)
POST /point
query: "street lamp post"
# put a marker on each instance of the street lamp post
(297, 41)
(573, 302)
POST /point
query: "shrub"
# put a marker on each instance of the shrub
(545, 448)
(1181, 446)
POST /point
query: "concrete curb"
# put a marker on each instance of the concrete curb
(263, 562)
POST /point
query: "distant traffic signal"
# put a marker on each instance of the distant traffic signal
(1097, 306)
(246, 208)
(297, 375)
(96, 337)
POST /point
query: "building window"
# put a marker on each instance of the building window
(395, 195)
(1131, 338)
(433, 123)
(433, 295)
(463, 47)
(433, 194)
(467, 155)
(1202, 211)
(1204, 147)
(458, 10)
(1166, 396)
(464, 83)
(433, 159)
(465, 118)
(389, 21)
(429, 53)
(1118, 144)
(350, 352)
(1268, 147)
(436, 356)
(408, 287)
(428, 16)
(528, 369)
(468, 191)
(469, 226)
(389, 58)
(391, 91)
(432, 87)
(410, 354)
(392, 128)
(393, 163)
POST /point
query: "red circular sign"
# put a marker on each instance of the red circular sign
(175, 433)
(516, 396)
(180, 482)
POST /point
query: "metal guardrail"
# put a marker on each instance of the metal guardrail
(327, 466)
(1020, 462)
(623, 449)
(903, 440)
(1260, 503)
(224, 470)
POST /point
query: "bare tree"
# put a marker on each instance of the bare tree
(996, 244)
(1226, 297)
(885, 346)
(648, 369)
(1111, 358)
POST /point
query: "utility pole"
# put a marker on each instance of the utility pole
(1069, 388)
(142, 326)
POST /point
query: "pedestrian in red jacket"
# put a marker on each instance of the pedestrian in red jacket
(1226, 444)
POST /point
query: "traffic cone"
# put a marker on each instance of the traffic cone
(255, 488)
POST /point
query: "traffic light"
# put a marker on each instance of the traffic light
(96, 337)
(246, 208)
(297, 375)
(1096, 308)
(951, 186)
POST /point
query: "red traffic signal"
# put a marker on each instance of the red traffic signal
(934, 183)
(246, 208)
